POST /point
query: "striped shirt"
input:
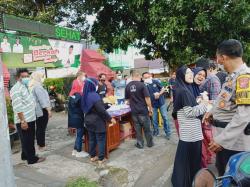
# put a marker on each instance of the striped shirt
(189, 123)
(22, 102)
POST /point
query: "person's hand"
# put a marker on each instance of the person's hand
(213, 146)
(157, 95)
(24, 125)
(71, 131)
(113, 121)
(171, 99)
(150, 112)
(49, 113)
(207, 118)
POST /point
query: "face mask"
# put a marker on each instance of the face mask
(5, 40)
(25, 81)
(220, 66)
(148, 80)
(83, 78)
(119, 77)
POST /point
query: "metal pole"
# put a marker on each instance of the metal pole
(6, 169)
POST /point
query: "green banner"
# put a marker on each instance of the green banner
(22, 51)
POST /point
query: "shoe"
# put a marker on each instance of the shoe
(168, 137)
(81, 154)
(151, 145)
(42, 148)
(74, 152)
(41, 159)
(156, 134)
(101, 162)
(139, 146)
(93, 159)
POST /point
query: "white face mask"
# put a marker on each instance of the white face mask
(148, 81)
(83, 78)
(220, 66)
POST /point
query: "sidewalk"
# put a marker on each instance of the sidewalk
(127, 165)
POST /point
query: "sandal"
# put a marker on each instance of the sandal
(94, 159)
(100, 162)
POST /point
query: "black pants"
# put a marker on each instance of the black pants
(222, 159)
(41, 125)
(142, 122)
(27, 138)
(187, 163)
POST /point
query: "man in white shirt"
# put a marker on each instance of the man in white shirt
(17, 47)
(5, 45)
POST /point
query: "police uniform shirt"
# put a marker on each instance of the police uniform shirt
(229, 107)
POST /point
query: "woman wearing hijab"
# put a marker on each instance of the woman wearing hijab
(199, 77)
(75, 114)
(188, 155)
(43, 109)
(96, 117)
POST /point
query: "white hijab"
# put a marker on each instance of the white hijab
(36, 79)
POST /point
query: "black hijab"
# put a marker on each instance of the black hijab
(184, 91)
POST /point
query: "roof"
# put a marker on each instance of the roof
(151, 64)
(92, 64)
(89, 55)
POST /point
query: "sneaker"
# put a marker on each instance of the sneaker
(74, 152)
(151, 145)
(81, 154)
(168, 136)
(139, 146)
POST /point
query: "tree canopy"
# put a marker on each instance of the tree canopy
(176, 30)
(48, 11)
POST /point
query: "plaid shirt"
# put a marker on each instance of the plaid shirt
(212, 86)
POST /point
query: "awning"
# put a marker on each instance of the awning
(92, 64)
(89, 55)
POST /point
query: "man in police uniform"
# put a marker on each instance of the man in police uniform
(231, 110)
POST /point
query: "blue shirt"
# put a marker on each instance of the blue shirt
(153, 88)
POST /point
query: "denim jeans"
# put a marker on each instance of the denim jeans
(99, 140)
(142, 122)
(78, 142)
(164, 114)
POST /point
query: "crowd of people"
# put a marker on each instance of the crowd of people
(211, 112)
(197, 94)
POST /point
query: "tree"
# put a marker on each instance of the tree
(49, 11)
(176, 30)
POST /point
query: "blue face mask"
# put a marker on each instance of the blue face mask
(25, 81)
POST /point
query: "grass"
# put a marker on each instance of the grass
(81, 182)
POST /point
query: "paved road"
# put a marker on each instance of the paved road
(127, 165)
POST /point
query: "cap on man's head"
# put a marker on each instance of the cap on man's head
(232, 48)
(202, 62)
